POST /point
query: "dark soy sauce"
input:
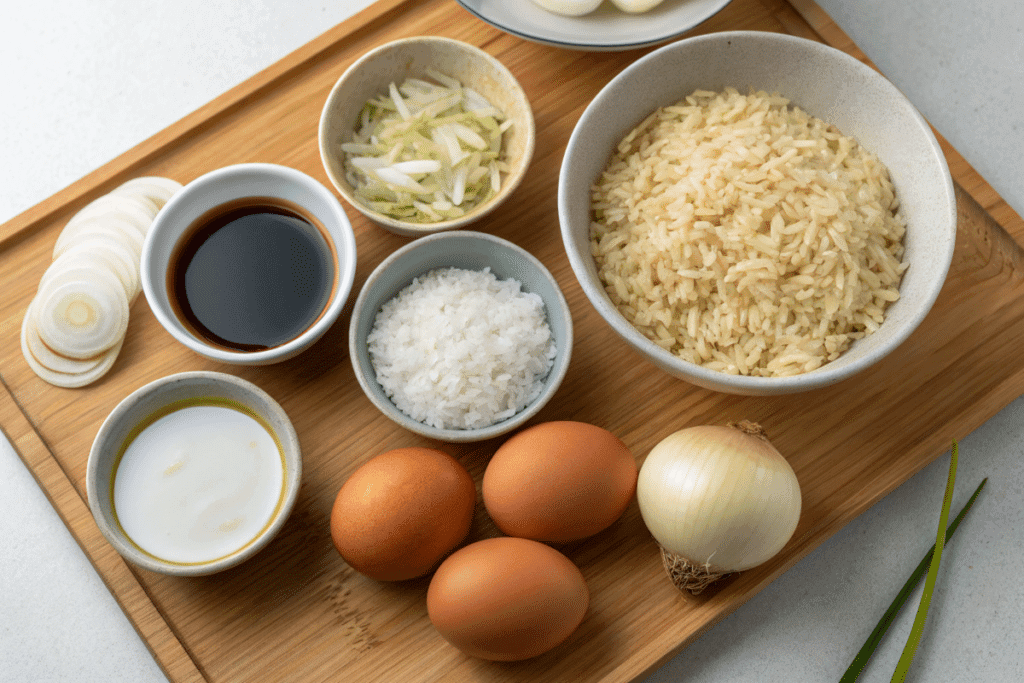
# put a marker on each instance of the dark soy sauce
(252, 274)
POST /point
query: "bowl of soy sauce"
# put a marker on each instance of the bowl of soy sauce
(249, 264)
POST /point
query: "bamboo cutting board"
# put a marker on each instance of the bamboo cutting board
(296, 612)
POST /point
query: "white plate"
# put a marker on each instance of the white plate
(605, 29)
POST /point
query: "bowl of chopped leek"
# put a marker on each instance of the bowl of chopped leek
(426, 134)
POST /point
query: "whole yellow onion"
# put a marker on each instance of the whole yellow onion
(717, 499)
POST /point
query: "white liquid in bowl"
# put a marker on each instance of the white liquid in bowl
(199, 483)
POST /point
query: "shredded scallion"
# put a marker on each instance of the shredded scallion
(864, 654)
(427, 150)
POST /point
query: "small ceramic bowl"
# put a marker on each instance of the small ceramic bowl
(225, 186)
(472, 251)
(138, 410)
(396, 61)
(824, 82)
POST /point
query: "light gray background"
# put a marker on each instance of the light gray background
(84, 81)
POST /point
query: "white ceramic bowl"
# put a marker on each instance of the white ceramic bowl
(826, 83)
(121, 426)
(393, 62)
(228, 184)
(473, 251)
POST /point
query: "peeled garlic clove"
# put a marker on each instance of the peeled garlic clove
(636, 6)
(571, 8)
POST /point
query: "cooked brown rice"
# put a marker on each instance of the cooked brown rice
(746, 236)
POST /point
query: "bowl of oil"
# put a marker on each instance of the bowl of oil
(193, 473)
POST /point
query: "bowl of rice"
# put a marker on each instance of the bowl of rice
(756, 213)
(425, 134)
(460, 336)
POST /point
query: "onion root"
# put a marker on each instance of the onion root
(751, 429)
(689, 576)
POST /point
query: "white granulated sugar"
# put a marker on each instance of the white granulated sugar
(461, 349)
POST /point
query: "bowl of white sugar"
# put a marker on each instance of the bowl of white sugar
(460, 336)
(193, 473)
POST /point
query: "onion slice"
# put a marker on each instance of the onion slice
(81, 311)
(106, 251)
(33, 345)
(156, 189)
(78, 379)
(124, 230)
(75, 325)
(136, 210)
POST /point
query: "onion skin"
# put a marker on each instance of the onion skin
(718, 499)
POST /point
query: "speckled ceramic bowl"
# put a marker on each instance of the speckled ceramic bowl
(393, 62)
(826, 83)
(472, 251)
(121, 426)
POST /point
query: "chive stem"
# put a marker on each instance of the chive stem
(917, 630)
(864, 654)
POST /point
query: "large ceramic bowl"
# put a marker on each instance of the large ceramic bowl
(394, 62)
(468, 250)
(826, 83)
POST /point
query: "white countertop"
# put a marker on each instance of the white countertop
(85, 81)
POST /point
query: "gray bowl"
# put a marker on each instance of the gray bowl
(118, 428)
(472, 251)
(828, 84)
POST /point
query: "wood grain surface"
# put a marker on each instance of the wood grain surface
(297, 612)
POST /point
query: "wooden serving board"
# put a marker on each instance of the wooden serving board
(297, 612)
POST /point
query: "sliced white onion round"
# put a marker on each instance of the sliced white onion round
(75, 326)
(128, 233)
(135, 210)
(33, 345)
(106, 252)
(72, 265)
(78, 379)
(156, 188)
(80, 311)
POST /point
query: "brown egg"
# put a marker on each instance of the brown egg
(507, 599)
(401, 512)
(559, 482)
